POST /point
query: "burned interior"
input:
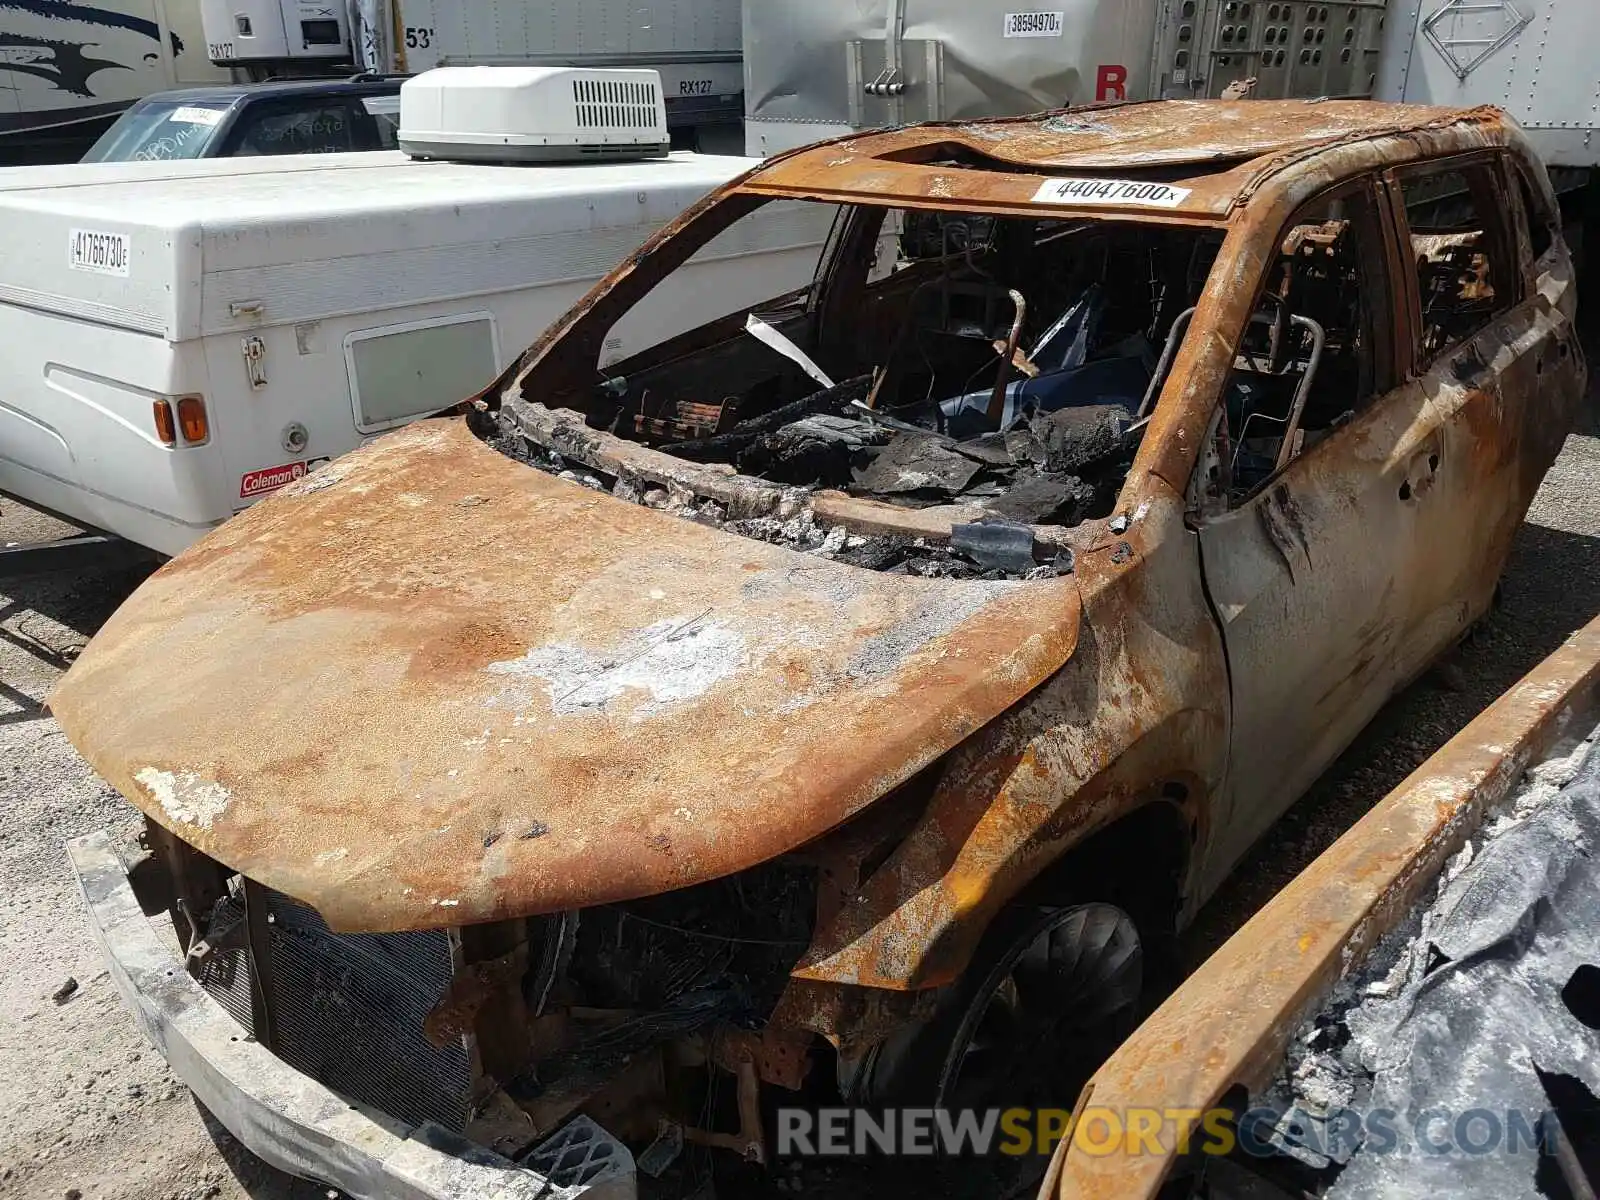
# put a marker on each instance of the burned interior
(994, 373)
(995, 370)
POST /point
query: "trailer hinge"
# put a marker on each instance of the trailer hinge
(907, 77)
(255, 360)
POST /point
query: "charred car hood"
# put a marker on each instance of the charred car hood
(430, 685)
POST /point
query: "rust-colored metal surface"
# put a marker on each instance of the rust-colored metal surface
(1140, 707)
(780, 1057)
(432, 686)
(1223, 142)
(1230, 1022)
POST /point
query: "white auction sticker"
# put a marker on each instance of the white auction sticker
(102, 253)
(1035, 24)
(188, 114)
(1137, 192)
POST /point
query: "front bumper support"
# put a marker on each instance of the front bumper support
(289, 1119)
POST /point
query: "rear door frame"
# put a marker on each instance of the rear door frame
(1485, 418)
(1266, 551)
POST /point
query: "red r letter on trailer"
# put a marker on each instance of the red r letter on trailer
(1112, 83)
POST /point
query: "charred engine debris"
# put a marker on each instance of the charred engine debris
(626, 1005)
(996, 381)
(650, 1017)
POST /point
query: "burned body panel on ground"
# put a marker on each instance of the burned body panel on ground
(935, 637)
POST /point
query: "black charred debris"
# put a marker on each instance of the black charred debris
(1056, 468)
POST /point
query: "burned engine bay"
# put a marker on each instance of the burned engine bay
(506, 1032)
(967, 407)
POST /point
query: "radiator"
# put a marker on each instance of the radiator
(347, 1010)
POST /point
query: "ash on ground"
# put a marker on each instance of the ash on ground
(1467, 1019)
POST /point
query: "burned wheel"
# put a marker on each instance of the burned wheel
(1061, 997)
(1050, 993)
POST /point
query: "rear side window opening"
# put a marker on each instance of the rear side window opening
(307, 127)
(1466, 267)
(385, 114)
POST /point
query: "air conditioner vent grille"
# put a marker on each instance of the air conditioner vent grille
(614, 104)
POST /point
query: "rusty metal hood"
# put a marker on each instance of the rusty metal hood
(430, 685)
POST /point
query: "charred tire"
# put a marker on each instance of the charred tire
(1049, 994)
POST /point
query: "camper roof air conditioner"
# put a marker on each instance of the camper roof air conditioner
(533, 114)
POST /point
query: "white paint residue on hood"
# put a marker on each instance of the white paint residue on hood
(671, 661)
(185, 797)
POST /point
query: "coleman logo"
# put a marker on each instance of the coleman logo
(270, 479)
(1111, 191)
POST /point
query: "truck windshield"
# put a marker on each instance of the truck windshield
(157, 129)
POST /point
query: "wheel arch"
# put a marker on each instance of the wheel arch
(1159, 833)
(1023, 827)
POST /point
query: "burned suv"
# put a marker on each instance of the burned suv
(853, 694)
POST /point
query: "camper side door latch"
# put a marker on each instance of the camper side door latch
(255, 360)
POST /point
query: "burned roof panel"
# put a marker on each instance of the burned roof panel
(849, 172)
(1007, 162)
(1176, 132)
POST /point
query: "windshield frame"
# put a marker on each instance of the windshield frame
(566, 358)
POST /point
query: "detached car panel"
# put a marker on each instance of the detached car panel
(862, 681)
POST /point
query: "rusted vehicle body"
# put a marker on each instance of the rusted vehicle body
(843, 682)
(1252, 1015)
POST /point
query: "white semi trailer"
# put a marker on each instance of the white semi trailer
(69, 67)
(825, 67)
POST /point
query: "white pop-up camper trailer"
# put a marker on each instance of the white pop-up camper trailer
(178, 340)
